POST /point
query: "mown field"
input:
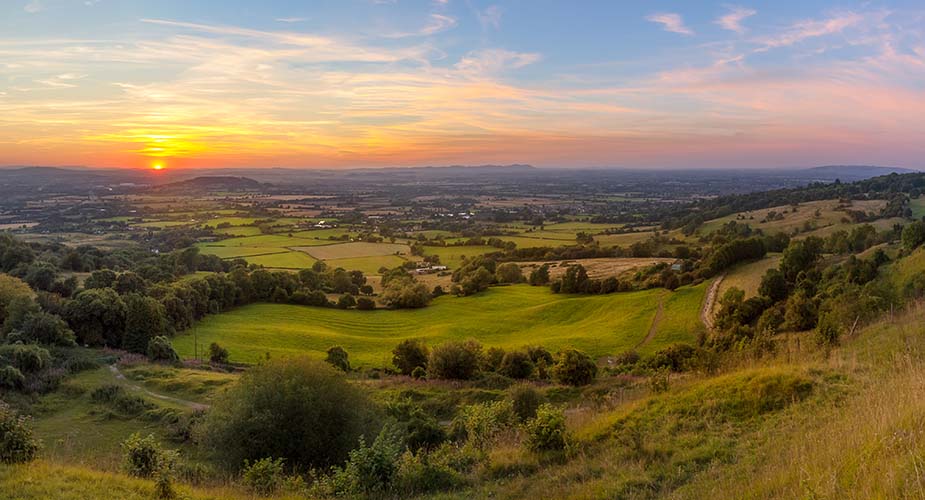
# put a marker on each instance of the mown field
(504, 316)
(829, 215)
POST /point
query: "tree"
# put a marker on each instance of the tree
(799, 257)
(509, 272)
(410, 354)
(773, 285)
(405, 294)
(575, 279)
(575, 368)
(366, 304)
(540, 276)
(12, 288)
(346, 301)
(913, 235)
(97, 316)
(455, 360)
(337, 357)
(160, 349)
(129, 282)
(516, 364)
(297, 409)
(800, 312)
(104, 278)
(41, 275)
(145, 318)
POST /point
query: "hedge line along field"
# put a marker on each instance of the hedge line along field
(506, 317)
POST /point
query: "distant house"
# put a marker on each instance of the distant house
(430, 269)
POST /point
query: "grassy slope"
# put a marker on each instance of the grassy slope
(504, 316)
(747, 277)
(452, 256)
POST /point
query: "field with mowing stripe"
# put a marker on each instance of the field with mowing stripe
(234, 252)
(369, 265)
(286, 260)
(355, 249)
(452, 256)
(503, 316)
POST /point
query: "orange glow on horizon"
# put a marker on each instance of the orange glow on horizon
(158, 166)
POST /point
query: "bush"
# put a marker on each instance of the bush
(27, 358)
(482, 423)
(17, 442)
(337, 357)
(419, 373)
(418, 428)
(827, 332)
(263, 476)
(106, 393)
(346, 301)
(11, 378)
(547, 431)
(366, 304)
(298, 409)
(574, 368)
(659, 380)
(144, 457)
(676, 357)
(409, 355)
(422, 473)
(455, 360)
(370, 469)
(516, 364)
(218, 354)
(525, 400)
(160, 349)
(627, 358)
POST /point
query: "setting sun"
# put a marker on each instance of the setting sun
(158, 166)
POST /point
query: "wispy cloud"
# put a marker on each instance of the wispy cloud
(34, 6)
(812, 28)
(491, 61)
(291, 19)
(732, 21)
(670, 22)
(436, 23)
(490, 17)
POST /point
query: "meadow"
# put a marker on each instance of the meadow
(829, 214)
(453, 256)
(508, 317)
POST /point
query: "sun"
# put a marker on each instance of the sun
(158, 166)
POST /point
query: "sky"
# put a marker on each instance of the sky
(379, 83)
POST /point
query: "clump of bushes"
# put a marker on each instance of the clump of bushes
(160, 349)
(27, 358)
(218, 354)
(525, 400)
(338, 358)
(264, 476)
(574, 368)
(546, 432)
(17, 441)
(410, 355)
(516, 364)
(11, 378)
(144, 457)
(455, 360)
(297, 409)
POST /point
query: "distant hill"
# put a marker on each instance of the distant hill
(212, 183)
(850, 172)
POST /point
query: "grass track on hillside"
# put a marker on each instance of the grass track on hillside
(504, 316)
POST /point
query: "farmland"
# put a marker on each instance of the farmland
(506, 317)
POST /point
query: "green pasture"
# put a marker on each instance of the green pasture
(369, 265)
(452, 256)
(502, 316)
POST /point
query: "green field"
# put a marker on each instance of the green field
(918, 207)
(234, 252)
(286, 260)
(747, 277)
(503, 316)
(355, 249)
(369, 265)
(452, 256)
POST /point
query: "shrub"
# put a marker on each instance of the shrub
(160, 349)
(509, 273)
(516, 364)
(11, 378)
(263, 476)
(27, 358)
(337, 357)
(491, 361)
(828, 332)
(346, 301)
(483, 423)
(658, 381)
(574, 368)
(298, 409)
(419, 372)
(627, 358)
(370, 469)
(525, 399)
(547, 431)
(17, 442)
(420, 473)
(366, 304)
(410, 354)
(676, 357)
(218, 354)
(455, 360)
(106, 393)
(144, 457)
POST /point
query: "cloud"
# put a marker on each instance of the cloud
(291, 19)
(436, 23)
(490, 17)
(670, 22)
(803, 30)
(34, 6)
(491, 61)
(732, 21)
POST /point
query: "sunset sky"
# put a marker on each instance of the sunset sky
(357, 83)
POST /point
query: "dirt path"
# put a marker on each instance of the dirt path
(655, 322)
(119, 376)
(706, 312)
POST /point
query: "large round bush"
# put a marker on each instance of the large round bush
(298, 409)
